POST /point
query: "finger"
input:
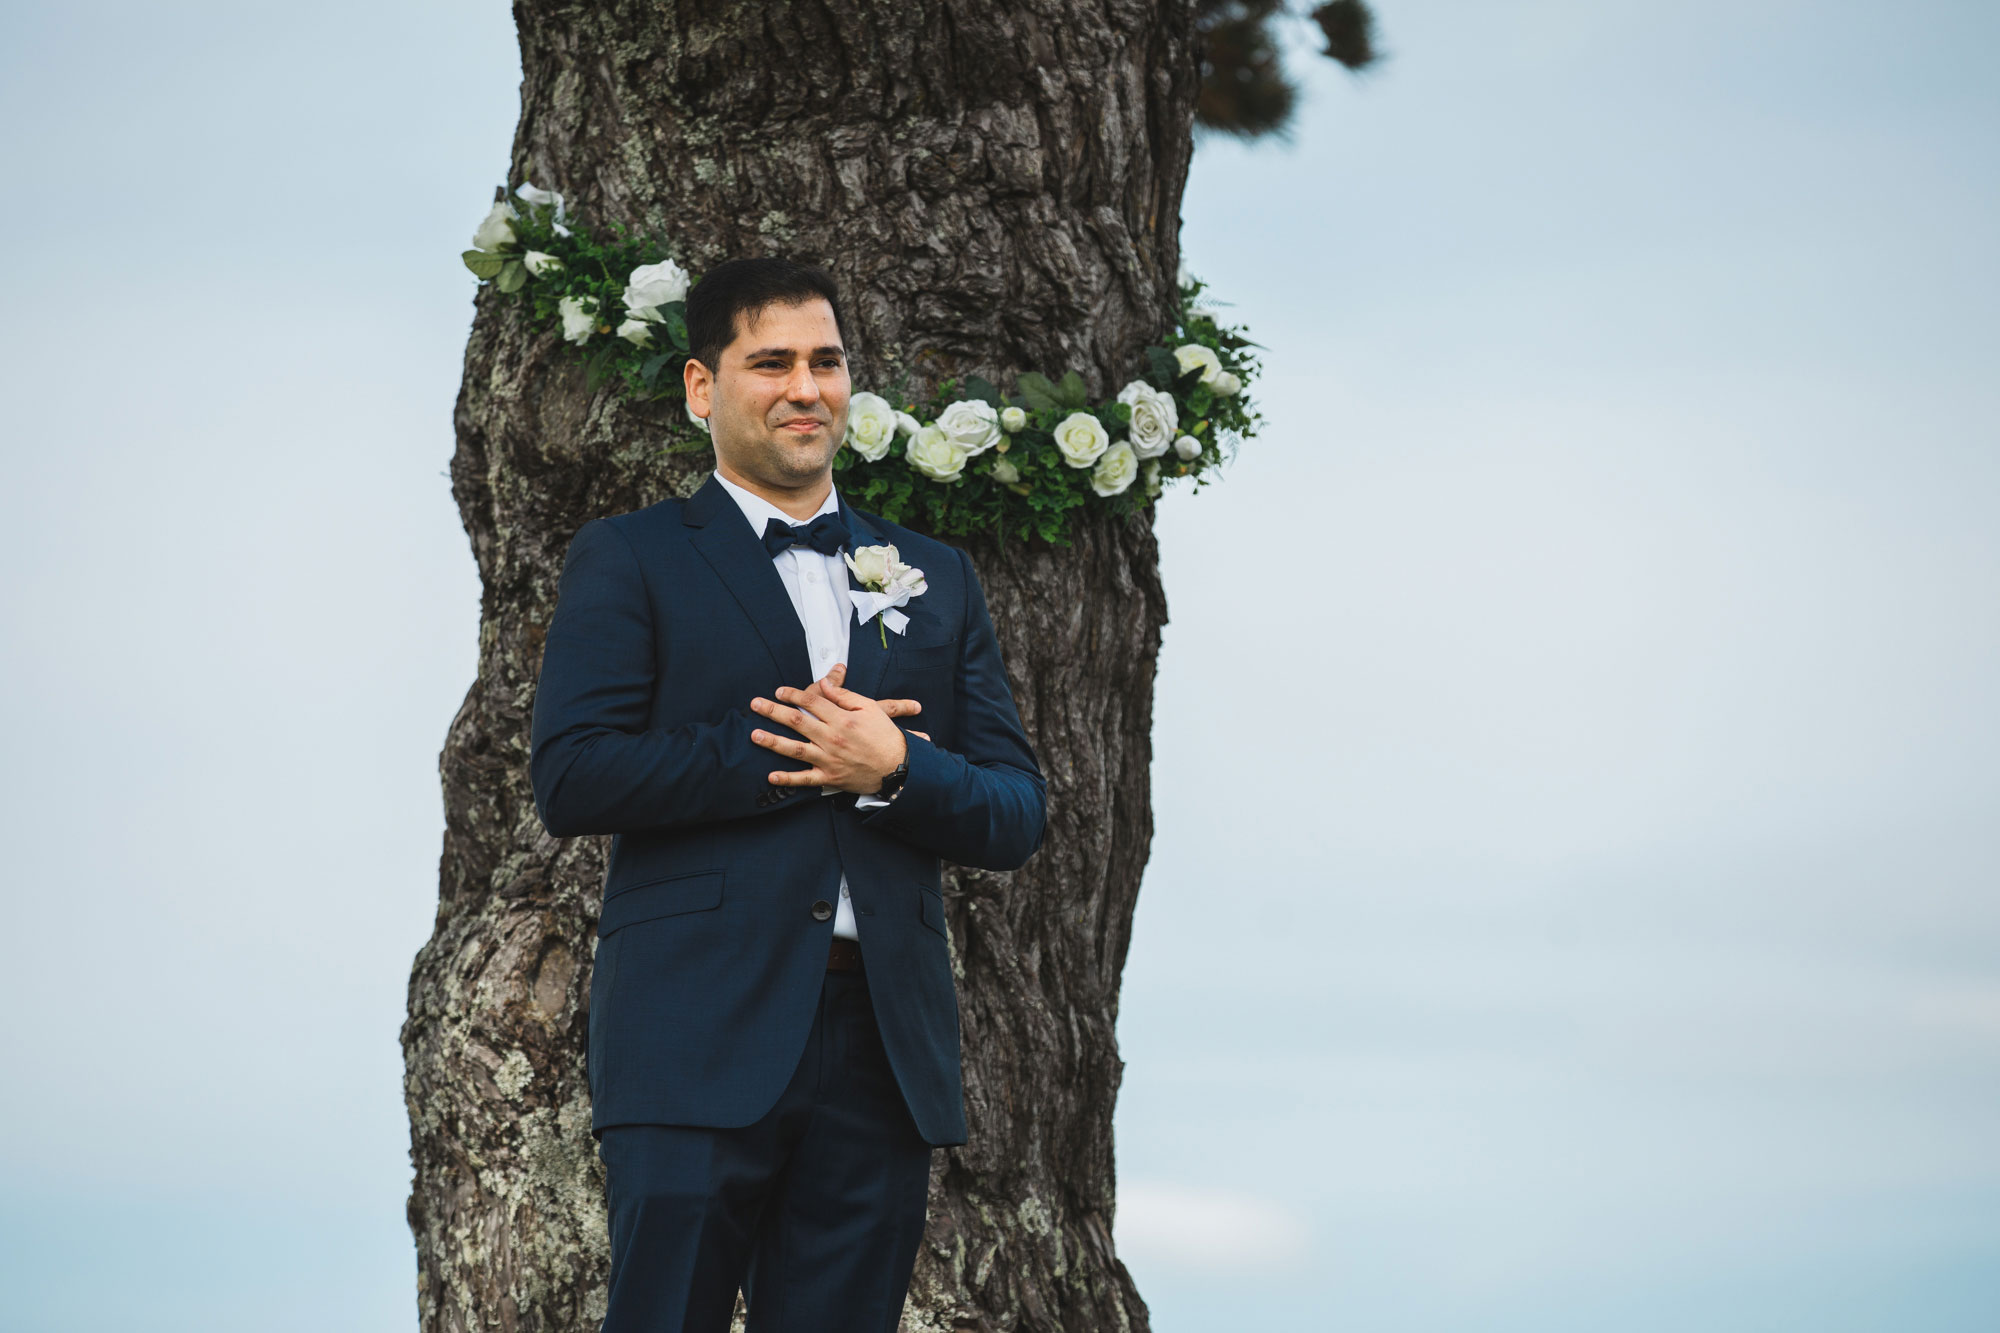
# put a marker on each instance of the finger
(811, 777)
(846, 698)
(900, 707)
(804, 723)
(838, 674)
(925, 734)
(812, 704)
(784, 745)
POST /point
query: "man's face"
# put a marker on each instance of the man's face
(777, 401)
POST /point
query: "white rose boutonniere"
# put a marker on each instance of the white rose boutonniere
(1115, 471)
(1154, 419)
(578, 323)
(971, 425)
(1081, 438)
(871, 425)
(934, 454)
(886, 584)
(652, 286)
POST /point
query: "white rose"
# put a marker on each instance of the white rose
(1226, 385)
(1196, 354)
(497, 231)
(541, 264)
(540, 198)
(903, 577)
(871, 425)
(699, 421)
(1012, 419)
(1187, 446)
(936, 455)
(1081, 438)
(578, 323)
(1154, 419)
(654, 285)
(636, 331)
(1153, 484)
(871, 564)
(971, 425)
(1006, 473)
(907, 424)
(1115, 471)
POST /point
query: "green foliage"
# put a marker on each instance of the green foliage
(1021, 487)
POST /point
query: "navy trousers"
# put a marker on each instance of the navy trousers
(815, 1211)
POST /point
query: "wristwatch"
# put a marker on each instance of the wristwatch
(893, 781)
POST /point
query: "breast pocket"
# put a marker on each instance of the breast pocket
(925, 656)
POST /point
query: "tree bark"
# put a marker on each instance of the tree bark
(997, 188)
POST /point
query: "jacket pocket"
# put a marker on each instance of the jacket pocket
(930, 906)
(924, 656)
(693, 891)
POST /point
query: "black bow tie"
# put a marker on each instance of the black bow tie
(825, 534)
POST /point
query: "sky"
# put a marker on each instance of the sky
(1572, 905)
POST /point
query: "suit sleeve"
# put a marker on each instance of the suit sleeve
(986, 807)
(594, 764)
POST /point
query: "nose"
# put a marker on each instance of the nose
(802, 387)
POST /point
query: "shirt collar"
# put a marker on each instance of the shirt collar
(759, 511)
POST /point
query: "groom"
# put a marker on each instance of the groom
(773, 1029)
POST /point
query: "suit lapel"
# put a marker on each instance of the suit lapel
(739, 559)
(867, 658)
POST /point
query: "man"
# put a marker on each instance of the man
(773, 1029)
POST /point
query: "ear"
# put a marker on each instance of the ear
(700, 384)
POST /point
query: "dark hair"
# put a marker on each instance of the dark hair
(747, 287)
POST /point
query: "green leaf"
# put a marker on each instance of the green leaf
(1041, 394)
(513, 276)
(599, 368)
(654, 364)
(673, 316)
(1071, 393)
(1164, 367)
(983, 390)
(484, 265)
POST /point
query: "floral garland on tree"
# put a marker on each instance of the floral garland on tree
(968, 459)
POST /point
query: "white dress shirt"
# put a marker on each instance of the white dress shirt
(817, 585)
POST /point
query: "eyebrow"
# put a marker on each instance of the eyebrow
(763, 352)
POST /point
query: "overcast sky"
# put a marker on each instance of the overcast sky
(1573, 906)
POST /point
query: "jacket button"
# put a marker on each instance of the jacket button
(822, 910)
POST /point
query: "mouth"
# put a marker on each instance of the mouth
(803, 425)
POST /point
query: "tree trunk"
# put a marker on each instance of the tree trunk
(997, 188)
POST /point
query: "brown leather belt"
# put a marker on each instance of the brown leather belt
(845, 956)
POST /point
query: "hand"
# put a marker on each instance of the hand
(851, 741)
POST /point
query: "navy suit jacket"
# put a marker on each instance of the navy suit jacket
(710, 956)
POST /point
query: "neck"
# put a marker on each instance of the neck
(798, 501)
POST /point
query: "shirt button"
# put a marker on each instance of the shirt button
(822, 910)
(812, 576)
